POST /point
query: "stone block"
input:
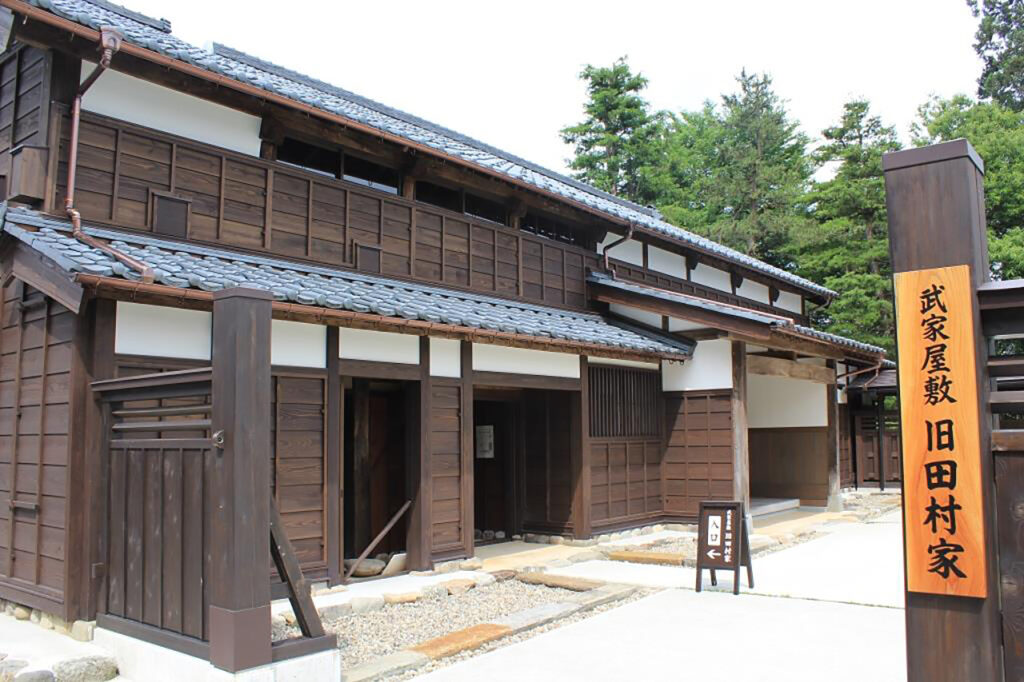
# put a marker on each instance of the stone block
(556, 540)
(503, 575)
(588, 555)
(459, 586)
(472, 564)
(564, 582)
(499, 535)
(9, 668)
(335, 611)
(366, 604)
(35, 676)
(536, 616)
(86, 669)
(461, 640)
(447, 567)
(46, 621)
(82, 630)
(402, 598)
(488, 535)
(366, 568)
(396, 565)
(641, 557)
(22, 613)
(386, 665)
(35, 616)
(484, 579)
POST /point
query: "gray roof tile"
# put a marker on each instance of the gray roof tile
(211, 269)
(154, 34)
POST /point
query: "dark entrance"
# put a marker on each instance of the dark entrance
(378, 415)
(495, 415)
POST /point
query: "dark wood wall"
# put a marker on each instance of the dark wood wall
(790, 462)
(24, 100)
(233, 199)
(36, 378)
(847, 475)
(449, 477)
(698, 460)
(546, 464)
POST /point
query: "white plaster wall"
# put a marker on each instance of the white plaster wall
(666, 261)
(366, 344)
(621, 363)
(445, 358)
(647, 317)
(162, 332)
(298, 344)
(629, 251)
(711, 277)
(709, 368)
(755, 291)
(491, 358)
(782, 402)
(137, 101)
(790, 301)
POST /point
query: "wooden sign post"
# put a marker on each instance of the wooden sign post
(937, 242)
(723, 543)
(944, 523)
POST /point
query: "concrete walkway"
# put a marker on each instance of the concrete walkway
(26, 641)
(817, 607)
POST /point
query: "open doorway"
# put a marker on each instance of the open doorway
(494, 451)
(378, 415)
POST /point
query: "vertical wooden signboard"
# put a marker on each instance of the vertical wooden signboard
(722, 542)
(943, 516)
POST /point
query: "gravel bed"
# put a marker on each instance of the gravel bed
(367, 636)
(514, 639)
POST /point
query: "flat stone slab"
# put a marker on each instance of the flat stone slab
(385, 665)
(536, 616)
(641, 557)
(562, 581)
(461, 640)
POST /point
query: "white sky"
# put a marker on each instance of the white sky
(506, 73)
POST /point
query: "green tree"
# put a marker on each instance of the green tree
(737, 173)
(846, 247)
(997, 133)
(618, 145)
(999, 41)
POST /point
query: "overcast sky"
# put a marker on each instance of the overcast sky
(506, 73)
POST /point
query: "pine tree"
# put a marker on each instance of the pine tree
(1000, 44)
(846, 247)
(619, 143)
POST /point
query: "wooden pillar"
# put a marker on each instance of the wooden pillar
(360, 484)
(239, 481)
(835, 499)
(936, 211)
(418, 541)
(740, 442)
(335, 412)
(468, 461)
(581, 508)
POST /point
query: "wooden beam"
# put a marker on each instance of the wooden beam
(779, 367)
(580, 456)
(740, 440)
(359, 491)
(418, 542)
(510, 380)
(43, 274)
(335, 415)
(467, 438)
(835, 498)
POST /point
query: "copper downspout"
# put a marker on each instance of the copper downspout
(110, 41)
(604, 252)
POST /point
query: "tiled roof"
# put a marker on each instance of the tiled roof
(154, 34)
(210, 269)
(779, 321)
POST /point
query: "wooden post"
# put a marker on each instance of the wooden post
(835, 498)
(418, 544)
(935, 202)
(239, 481)
(335, 412)
(360, 484)
(468, 455)
(740, 441)
(581, 509)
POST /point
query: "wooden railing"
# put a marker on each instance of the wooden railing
(265, 206)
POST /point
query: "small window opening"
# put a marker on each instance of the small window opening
(485, 209)
(546, 227)
(370, 174)
(439, 196)
(310, 157)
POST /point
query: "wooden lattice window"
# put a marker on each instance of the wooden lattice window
(624, 402)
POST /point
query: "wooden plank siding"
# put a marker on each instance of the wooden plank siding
(546, 492)
(698, 459)
(24, 100)
(262, 205)
(847, 475)
(790, 462)
(36, 359)
(447, 469)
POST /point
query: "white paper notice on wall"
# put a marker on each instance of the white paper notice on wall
(485, 442)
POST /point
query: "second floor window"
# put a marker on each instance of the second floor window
(310, 156)
(370, 174)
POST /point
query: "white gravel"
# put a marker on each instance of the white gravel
(513, 639)
(367, 636)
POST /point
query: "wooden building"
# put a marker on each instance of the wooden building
(454, 327)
